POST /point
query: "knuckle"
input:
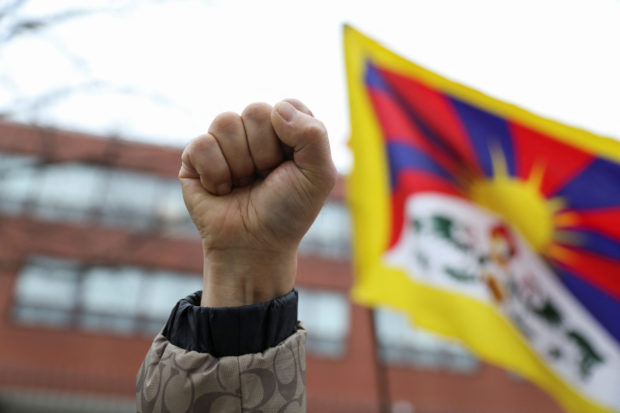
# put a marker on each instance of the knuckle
(193, 147)
(201, 153)
(225, 123)
(299, 105)
(314, 129)
(201, 146)
(257, 112)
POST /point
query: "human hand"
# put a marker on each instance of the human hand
(253, 185)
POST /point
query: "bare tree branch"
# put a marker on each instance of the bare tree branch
(48, 99)
(30, 25)
(14, 24)
(10, 8)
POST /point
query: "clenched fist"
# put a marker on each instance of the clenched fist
(253, 185)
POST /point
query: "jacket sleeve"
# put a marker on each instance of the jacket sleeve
(236, 359)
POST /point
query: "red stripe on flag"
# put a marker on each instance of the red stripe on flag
(394, 123)
(559, 162)
(413, 183)
(603, 273)
(605, 221)
(397, 127)
(437, 112)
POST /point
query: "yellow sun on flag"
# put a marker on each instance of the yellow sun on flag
(520, 202)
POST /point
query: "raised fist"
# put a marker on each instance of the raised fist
(253, 185)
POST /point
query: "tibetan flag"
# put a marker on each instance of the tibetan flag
(487, 224)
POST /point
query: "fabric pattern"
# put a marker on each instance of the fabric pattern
(174, 380)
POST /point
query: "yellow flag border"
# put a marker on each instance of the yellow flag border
(483, 329)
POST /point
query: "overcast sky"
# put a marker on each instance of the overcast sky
(168, 67)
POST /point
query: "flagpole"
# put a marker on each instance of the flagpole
(383, 388)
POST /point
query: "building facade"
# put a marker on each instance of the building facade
(96, 248)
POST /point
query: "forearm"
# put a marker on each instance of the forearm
(247, 276)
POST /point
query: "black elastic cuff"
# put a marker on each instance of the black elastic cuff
(231, 331)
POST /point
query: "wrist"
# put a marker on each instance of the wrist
(237, 277)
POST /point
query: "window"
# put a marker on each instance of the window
(330, 233)
(326, 316)
(60, 293)
(109, 299)
(170, 214)
(11, 161)
(129, 199)
(402, 343)
(82, 192)
(46, 292)
(162, 292)
(78, 192)
(126, 300)
(16, 177)
(67, 191)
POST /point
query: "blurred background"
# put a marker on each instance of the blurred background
(97, 100)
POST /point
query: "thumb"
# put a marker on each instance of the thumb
(308, 138)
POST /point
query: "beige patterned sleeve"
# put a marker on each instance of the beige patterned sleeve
(174, 380)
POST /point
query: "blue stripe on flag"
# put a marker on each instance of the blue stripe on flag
(597, 186)
(603, 307)
(403, 157)
(374, 80)
(486, 131)
(595, 242)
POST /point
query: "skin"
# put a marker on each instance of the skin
(253, 185)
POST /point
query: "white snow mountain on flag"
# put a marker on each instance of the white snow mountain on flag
(452, 244)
